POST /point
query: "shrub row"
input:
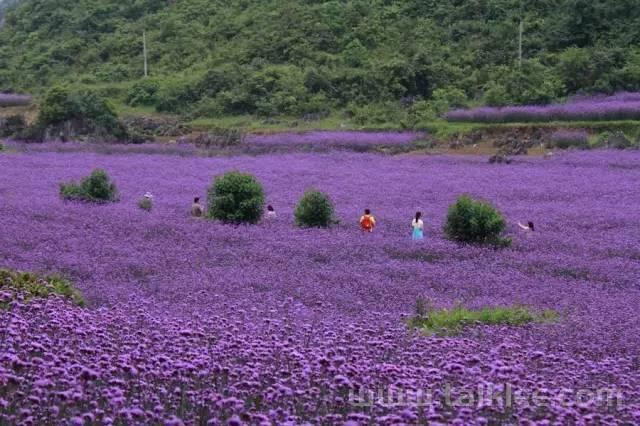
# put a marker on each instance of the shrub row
(238, 198)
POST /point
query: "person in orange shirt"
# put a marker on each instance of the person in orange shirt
(367, 221)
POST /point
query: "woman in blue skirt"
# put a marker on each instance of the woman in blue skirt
(418, 227)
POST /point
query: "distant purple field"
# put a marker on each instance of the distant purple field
(315, 139)
(335, 138)
(194, 322)
(12, 99)
(623, 106)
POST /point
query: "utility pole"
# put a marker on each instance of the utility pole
(520, 31)
(144, 52)
(520, 42)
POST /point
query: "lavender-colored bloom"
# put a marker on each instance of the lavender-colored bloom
(195, 322)
(624, 106)
(13, 99)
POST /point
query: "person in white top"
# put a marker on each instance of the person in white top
(528, 227)
(271, 213)
(417, 225)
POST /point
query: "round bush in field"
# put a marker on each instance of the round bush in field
(473, 221)
(97, 187)
(235, 198)
(314, 209)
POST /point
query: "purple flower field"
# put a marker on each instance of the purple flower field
(195, 322)
(622, 106)
(13, 99)
(335, 138)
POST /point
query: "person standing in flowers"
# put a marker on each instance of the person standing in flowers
(271, 213)
(529, 227)
(417, 226)
(367, 221)
(197, 209)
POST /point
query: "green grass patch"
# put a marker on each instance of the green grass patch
(444, 129)
(453, 321)
(31, 286)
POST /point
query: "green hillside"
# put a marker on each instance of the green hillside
(372, 60)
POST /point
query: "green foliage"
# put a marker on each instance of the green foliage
(453, 321)
(448, 98)
(294, 58)
(375, 114)
(145, 204)
(96, 188)
(478, 222)
(496, 95)
(143, 92)
(314, 210)
(533, 83)
(57, 107)
(28, 286)
(176, 96)
(235, 198)
(85, 112)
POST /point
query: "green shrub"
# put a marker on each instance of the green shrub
(314, 210)
(145, 204)
(31, 285)
(143, 92)
(84, 112)
(207, 107)
(235, 198)
(375, 114)
(176, 96)
(97, 115)
(57, 107)
(96, 188)
(448, 98)
(496, 95)
(453, 321)
(472, 221)
(421, 112)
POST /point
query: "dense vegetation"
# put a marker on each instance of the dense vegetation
(376, 60)
(96, 188)
(474, 221)
(26, 286)
(235, 198)
(315, 210)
